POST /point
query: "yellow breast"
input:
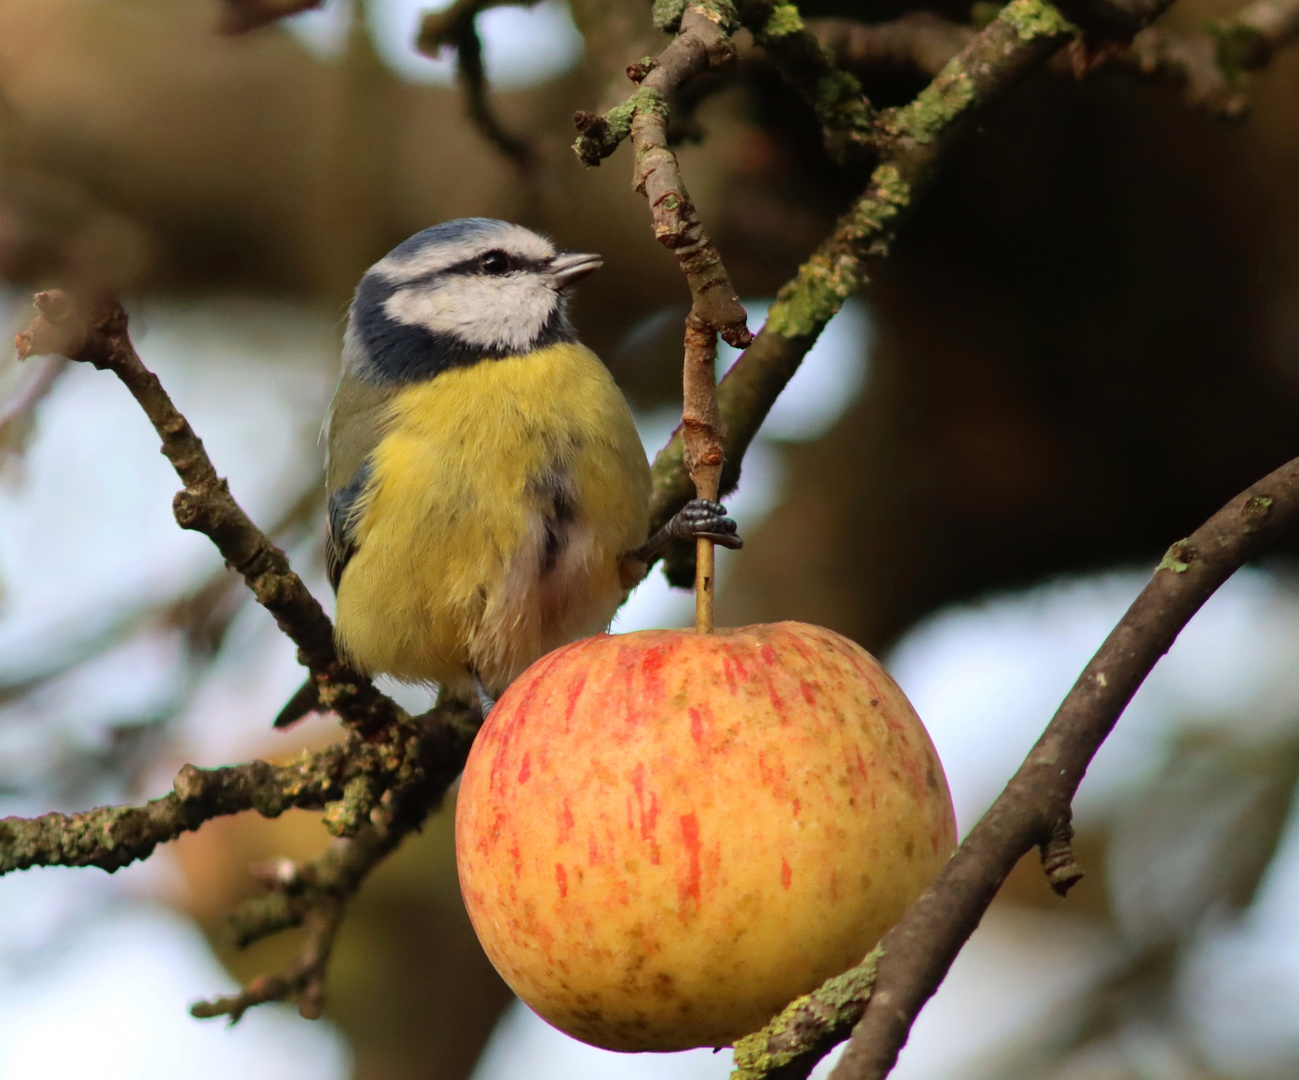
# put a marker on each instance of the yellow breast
(500, 501)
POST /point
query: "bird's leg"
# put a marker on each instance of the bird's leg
(485, 700)
(698, 519)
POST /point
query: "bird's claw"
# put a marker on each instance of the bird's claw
(703, 519)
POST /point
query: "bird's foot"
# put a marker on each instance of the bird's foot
(703, 519)
(699, 519)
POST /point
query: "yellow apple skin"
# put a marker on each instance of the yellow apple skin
(663, 837)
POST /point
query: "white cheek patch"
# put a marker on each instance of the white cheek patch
(513, 238)
(505, 312)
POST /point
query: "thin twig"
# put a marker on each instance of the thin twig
(702, 41)
(455, 27)
(18, 408)
(918, 42)
(97, 334)
(302, 980)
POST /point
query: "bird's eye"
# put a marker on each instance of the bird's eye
(494, 262)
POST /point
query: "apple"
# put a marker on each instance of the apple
(664, 837)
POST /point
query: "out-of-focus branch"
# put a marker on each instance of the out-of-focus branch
(1190, 60)
(302, 981)
(918, 42)
(1034, 809)
(15, 412)
(241, 16)
(915, 140)
(834, 94)
(1117, 20)
(1251, 37)
(97, 334)
(1213, 65)
(454, 27)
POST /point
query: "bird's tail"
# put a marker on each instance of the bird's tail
(305, 700)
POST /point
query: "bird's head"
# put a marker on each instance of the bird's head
(461, 292)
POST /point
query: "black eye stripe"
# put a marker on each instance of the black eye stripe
(475, 266)
(495, 263)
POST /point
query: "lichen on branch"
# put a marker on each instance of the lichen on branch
(808, 1027)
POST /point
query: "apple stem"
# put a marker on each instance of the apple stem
(702, 432)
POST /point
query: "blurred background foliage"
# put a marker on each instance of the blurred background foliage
(1085, 341)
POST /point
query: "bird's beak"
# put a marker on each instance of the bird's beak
(569, 267)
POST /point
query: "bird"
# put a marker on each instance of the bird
(488, 497)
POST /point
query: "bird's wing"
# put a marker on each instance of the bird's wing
(340, 536)
(358, 420)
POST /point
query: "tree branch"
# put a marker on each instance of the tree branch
(96, 334)
(1211, 65)
(702, 41)
(375, 787)
(111, 837)
(348, 780)
(807, 1028)
(303, 980)
(1034, 809)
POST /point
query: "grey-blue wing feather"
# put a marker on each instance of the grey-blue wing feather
(340, 540)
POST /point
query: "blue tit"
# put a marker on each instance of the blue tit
(488, 495)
